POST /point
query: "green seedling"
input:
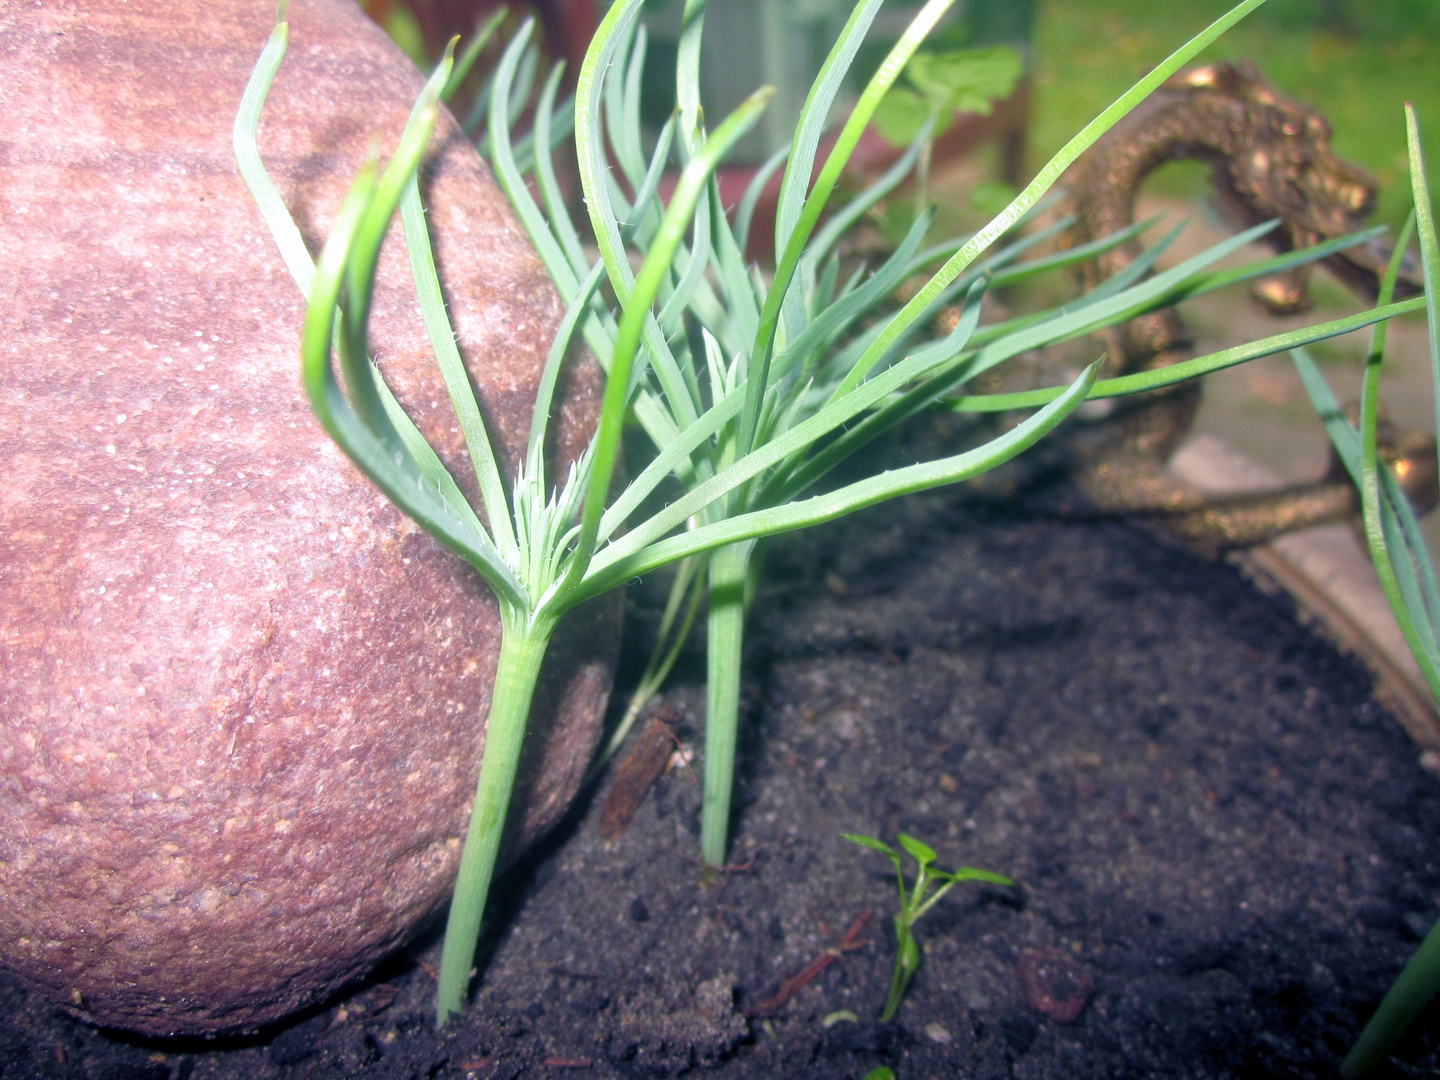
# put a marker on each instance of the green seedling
(536, 556)
(751, 387)
(1404, 566)
(938, 87)
(773, 380)
(914, 904)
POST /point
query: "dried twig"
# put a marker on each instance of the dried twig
(811, 971)
(643, 765)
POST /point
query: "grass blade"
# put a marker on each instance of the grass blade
(564, 334)
(746, 210)
(1429, 250)
(854, 209)
(427, 462)
(665, 462)
(884, 419)
(813, 116)
(252, 169)
(797, 439)
(1102, 308)
(560, 224)
(838, 316)
(595, 181)
(396, 476)
(1418, 982)
(1381, 526)
(1408, 538)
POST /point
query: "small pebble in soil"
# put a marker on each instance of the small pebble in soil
(938, 1033)
(1055, 984)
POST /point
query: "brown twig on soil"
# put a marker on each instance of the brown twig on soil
(811, 971)
(643, 765)
(568, 1063)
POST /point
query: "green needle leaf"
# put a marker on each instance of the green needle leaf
(252, 169)
(637, 311)
(1047, 176)
(1150, 380)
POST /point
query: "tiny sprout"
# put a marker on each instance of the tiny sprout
(913, 904)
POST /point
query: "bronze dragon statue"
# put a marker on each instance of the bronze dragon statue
(1270, 157)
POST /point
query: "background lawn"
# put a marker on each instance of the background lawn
(1354, 60)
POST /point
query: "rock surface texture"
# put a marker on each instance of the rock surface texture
(242, 698)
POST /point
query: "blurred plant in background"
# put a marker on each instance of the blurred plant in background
(422, 28)
(1349, 59)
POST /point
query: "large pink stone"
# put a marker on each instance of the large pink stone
(242, 699)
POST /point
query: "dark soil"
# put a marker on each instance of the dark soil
(1224, 849)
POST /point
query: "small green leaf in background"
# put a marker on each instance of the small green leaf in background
(883, 1072)
(900, 115)
(946, 84)
(404, 30)
(969, 80)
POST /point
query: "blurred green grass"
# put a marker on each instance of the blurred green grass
(1356, 61)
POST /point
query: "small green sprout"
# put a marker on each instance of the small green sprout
(913, 904)
(943, 85)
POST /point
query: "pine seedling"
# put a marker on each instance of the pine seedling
(535, 556)
(774, 380)
(792, 383)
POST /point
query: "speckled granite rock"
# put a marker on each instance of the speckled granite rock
(241, 697)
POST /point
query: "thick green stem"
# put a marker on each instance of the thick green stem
(522, 648)
(1412, 991)
(725, 632)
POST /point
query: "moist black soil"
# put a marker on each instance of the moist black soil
(1223, 849)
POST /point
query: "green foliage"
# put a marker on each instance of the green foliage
(944, 84)
(1366, 19)
(1352, 70)
(914, 903)
(751, 388)
(786, 358)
